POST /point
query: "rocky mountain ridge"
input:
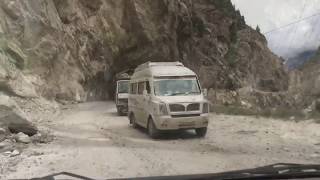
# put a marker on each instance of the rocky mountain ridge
(69, 50)
(300, 59)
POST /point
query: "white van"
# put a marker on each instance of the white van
(121, 96)
(167, 96)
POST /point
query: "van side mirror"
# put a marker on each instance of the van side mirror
(145, 92)
(205, 92)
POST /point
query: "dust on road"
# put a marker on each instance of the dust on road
(91, 140)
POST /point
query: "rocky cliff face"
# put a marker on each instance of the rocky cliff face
(70, 49)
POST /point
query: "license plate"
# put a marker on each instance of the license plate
(186, 124)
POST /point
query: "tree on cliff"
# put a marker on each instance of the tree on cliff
(258, 29)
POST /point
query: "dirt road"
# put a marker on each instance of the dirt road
(91, 140)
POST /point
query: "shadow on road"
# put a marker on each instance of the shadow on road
(171, 135)
(113, 114)
(128, 132)
(126, 136)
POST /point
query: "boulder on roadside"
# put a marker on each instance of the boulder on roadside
(13, 119)
(22, 138)
(19, 124)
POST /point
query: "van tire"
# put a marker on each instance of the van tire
(152, 130)
(201, 132)
(133, 121)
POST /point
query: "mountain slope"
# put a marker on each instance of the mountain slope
(70, 49)
(305, 82)
(300, 59)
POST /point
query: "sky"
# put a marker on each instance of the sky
(272, 14)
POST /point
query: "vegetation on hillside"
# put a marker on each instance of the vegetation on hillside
(229, 10)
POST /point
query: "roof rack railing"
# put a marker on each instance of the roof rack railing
(151, 64)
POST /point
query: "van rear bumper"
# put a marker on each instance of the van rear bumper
(122, 109)
(175, 123)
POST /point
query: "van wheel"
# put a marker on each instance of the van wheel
(133, 120)
(201, 132)
(152, 130)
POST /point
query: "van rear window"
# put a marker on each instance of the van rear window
(123, 86)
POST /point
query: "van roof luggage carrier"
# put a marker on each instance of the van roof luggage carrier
(152, 64)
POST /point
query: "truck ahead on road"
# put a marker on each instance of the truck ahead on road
(122, 92)
(167, 96)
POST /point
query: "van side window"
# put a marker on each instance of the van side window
(148, 87)
(140, 87)
(133, 88)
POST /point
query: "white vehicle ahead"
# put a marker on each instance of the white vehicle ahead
(167, 96)
(121, 98)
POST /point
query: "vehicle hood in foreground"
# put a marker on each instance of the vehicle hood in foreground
(275, 171)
